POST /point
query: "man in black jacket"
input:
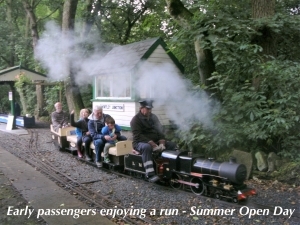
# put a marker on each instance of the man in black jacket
(148, 137)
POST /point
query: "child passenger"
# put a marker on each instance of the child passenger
(111, 132)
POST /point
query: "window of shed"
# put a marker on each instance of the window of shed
(113, 86)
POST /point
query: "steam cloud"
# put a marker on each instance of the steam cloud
(59, 53)
(182, 104)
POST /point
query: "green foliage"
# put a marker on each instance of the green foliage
(21, 81)
(30, 98)
(259, 94)
(54, 93)
(268, 114)
(25, 89)
(124, 22)
(4, 102)
(197, 140)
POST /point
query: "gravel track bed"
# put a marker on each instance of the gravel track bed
(136, 193)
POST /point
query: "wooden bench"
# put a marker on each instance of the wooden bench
(118, 152)
(72, 138)
(62, 131)
(121, 147)
(60, 137)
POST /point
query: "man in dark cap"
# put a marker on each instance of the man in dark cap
(148, 136)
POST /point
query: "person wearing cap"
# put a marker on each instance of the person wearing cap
(148, 136)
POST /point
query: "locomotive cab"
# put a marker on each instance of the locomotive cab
(173, 162)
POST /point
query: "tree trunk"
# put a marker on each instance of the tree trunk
(73, 95)
(264, 9)
(39, 100)
(69, 13)
(205, 63)
(33, 22)
(9, 11)
(11, 57)
(89, 18)
(266, 39)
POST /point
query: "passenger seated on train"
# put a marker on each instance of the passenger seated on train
(112, 134)
(59, 118)
(95, 125)
(148, 136)
(83, 134)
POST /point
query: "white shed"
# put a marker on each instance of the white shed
(116, 77)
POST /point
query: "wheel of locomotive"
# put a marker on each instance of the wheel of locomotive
(217, 195)
(174, 183)
(200, 189)
(138, 175)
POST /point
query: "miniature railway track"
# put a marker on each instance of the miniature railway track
(94, 198)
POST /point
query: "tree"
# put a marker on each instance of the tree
(266, 38)
(124, 21)
(73, 95)
(33, 22)
(12, 41)
(205, 62)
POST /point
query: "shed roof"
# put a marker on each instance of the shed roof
(9, 74)
(126, 57)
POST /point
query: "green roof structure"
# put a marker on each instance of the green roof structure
(127, 57)
(9, 74)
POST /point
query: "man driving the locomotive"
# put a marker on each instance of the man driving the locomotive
(148, 136)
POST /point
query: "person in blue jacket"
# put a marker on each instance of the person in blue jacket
(95, 125)
(112, 133)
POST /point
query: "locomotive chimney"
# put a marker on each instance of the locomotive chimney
(232, 159)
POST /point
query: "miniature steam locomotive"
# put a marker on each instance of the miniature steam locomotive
(203, 176)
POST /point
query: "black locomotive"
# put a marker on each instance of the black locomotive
(203, 176)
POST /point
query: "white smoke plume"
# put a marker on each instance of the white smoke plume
(162, 82)
(58, 53)
(183, 104)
